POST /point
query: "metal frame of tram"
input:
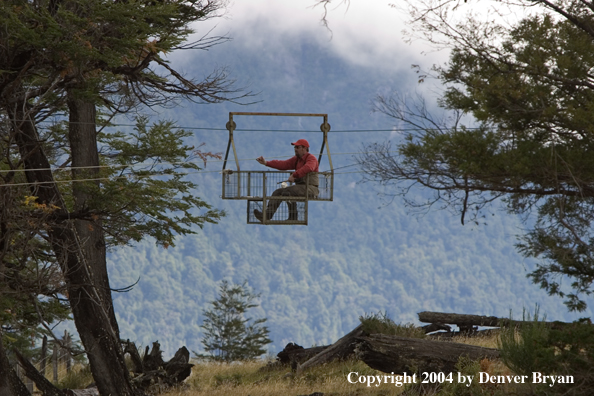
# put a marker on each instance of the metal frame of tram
(257, 186)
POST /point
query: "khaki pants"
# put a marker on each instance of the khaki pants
(297, 190)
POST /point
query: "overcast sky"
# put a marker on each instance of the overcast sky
(367, 32)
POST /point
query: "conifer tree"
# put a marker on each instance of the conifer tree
(229, 335)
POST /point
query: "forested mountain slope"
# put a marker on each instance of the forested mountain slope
(361, 253)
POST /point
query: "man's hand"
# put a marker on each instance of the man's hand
(291, 179)
(261, 160)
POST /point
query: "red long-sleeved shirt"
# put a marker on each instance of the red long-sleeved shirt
(304, 165)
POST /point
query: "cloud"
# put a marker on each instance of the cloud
(366, 33)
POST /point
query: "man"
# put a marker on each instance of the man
(303, 163)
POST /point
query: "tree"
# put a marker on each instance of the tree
(30, 279)
(529, 91)
(229, 335)
(79, 63)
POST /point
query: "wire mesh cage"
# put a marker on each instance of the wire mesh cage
(260, 184)
(325, 187)
(267, 202)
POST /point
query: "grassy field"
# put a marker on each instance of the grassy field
(264, 378)
(258, 378)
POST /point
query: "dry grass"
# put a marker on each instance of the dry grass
(257, 379)
(485, 341)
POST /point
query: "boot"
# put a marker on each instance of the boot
(258, 215)
(293, 213)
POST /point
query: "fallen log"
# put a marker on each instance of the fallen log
(340, 350)
(467, 322)
(443, 335)
(436, 327)
(293, 353)
(393, 354)
(462, 321)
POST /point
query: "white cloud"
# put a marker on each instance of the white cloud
(367, 33)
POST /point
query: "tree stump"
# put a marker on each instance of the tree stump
(155, 371)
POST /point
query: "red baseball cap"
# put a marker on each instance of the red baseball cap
(301, 142)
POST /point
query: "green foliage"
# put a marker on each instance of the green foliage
(146, 184)
(229, 335)
(526, 350)
(559, 349)
(527, 90)
(74, 60)
(380, 323)
(31, 285)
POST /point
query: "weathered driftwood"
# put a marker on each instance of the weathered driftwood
(341, 349)
(400, 354)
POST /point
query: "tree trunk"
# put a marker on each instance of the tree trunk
(82, 136)
(92, 304)
(341, 349)
(400, 354)
(10, 384)
(86, 280)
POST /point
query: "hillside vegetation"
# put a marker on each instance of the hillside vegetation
(361, 253)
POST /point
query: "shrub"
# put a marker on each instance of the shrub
(380, 323)
(560, 349)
